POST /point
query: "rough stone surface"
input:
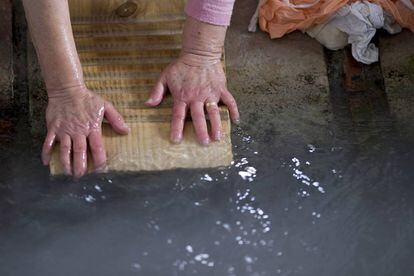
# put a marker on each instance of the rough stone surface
(397, 63)
(275, 79)
(37, 92)
(6, 55)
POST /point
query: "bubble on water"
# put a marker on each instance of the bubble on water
(242, 162)
(136, 266)
(248, 259)
(303, 178)
(227, 226)
(90, 198)
(109, 180)
(251, 170)
(311, 148)
(279, 253)
(169, 241)
(201, 257)
(98, 188)
(189, 249)
(296, 161)
(245, 175)
(206, 177)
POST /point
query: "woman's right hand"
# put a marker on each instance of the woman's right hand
(197, 82)
(74, 118)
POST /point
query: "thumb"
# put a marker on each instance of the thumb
(115, 119)
(157, 92)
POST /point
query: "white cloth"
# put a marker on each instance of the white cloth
(360, 20)
(329, 36)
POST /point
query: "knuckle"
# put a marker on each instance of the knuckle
(232, 103)
(213, 108)
(178, 116)
(97, 147)
(79, 148)
(65, 148)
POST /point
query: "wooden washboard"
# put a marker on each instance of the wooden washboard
(123, 46)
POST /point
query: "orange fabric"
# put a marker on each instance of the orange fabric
(278, 18)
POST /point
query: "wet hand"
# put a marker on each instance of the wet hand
(197, 89)
(74, 118)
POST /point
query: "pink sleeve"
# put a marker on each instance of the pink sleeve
(216, 12)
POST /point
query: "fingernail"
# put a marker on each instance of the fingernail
(100, 169)
(176, 140)
(150, 101)
(68, 172)
(219, 135)
(237, 121)
(205, 142)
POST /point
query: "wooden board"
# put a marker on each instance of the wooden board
(123, 46)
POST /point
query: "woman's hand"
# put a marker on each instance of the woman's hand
(195, 89)
(197, 82)
(74, 117)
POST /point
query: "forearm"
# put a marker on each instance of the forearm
(51, 33)
(202, 42)
(216, 12)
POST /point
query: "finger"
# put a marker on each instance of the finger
(115, 119)
(158, 91)
(199, 122)
(215, 122)
(79, 156)
(97, 149)
(47, 147)
(179, 111)
(230, 102)
(65, 151)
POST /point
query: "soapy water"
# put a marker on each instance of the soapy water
(261, 215)
(251, 235)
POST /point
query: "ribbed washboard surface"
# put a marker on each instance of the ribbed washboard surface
(123, 46)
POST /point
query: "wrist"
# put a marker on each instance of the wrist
(203, 43)
(69, 91)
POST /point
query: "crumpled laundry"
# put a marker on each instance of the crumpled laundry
(360, 21)
(329, 36)
(279, 17)
(335, 23)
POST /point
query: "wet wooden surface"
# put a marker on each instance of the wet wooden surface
(123, 47)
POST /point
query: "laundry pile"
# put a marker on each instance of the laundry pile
(336, 23)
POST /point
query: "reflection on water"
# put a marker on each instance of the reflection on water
(280, 208)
